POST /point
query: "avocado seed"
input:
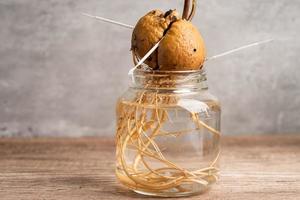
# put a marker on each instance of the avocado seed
(182, 47)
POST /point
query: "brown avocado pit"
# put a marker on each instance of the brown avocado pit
(182, 47)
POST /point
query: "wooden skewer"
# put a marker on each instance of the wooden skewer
(157, 44)
(239, 49)
(108, 20)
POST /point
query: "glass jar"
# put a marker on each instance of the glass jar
(168, 134)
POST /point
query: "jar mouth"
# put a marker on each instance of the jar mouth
(169, 80)
(162, 72)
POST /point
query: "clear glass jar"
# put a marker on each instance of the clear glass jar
(168, 134)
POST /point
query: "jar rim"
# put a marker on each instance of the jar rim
(169, 79)
(169, 72)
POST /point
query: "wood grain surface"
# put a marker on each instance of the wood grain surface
(257, 167)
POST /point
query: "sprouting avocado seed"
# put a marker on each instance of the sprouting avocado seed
(182, 47)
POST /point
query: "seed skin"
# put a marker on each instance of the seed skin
(181, 49)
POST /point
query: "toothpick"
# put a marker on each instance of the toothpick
(156, 45)
(239, 49)
(146, 56)
(108, 20)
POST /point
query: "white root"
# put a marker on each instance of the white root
(139, 137)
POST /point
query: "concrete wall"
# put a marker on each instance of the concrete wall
(60, 72)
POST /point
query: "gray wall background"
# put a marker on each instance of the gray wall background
(61, 73)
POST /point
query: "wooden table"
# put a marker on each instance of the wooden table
(257, 167)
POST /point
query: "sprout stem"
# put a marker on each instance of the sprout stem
(186, 9)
